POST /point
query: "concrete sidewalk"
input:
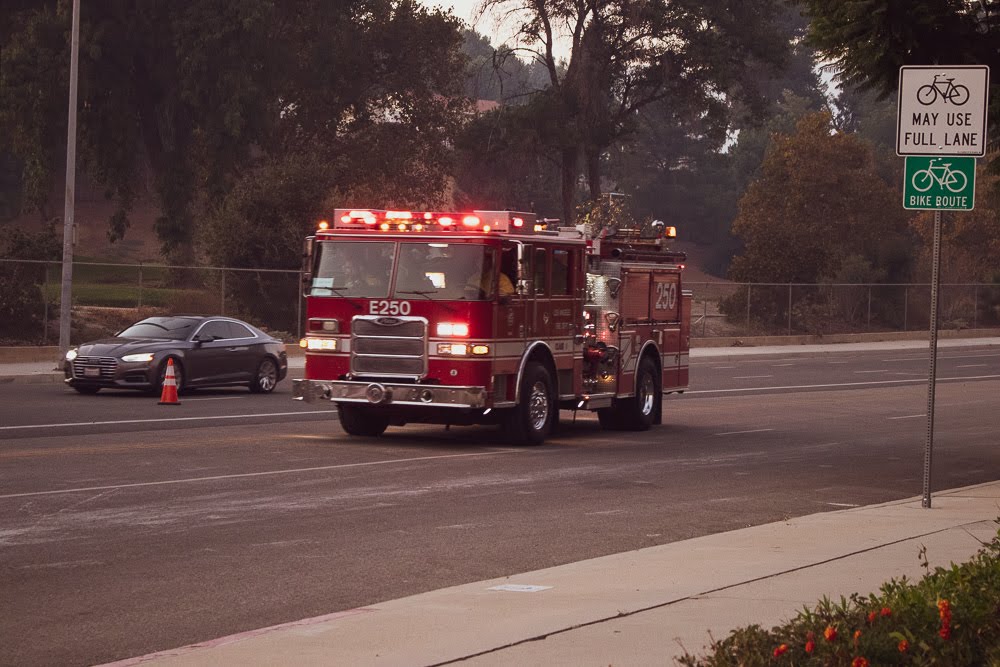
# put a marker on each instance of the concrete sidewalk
(641, 607)
(46, 371)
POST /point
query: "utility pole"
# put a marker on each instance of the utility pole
(66, 292)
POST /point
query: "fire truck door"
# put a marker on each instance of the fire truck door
(510, 320)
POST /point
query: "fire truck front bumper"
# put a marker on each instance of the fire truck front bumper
(388, 393)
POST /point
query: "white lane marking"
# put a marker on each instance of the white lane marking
(843, 504)
(881, 370)
(720, 368)
(756, 430)
(750, 377)
(214, 398)
(839, 384)
(265, 473)
(171, 419)
(781, 365)
(971, 366)
(943, 356)
(838, 362)
(922, 414)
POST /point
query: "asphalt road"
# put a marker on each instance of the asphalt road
(127, 527)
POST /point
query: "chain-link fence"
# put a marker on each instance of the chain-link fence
(107, 297)
(770, 309)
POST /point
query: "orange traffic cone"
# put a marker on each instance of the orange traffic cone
(169, 394)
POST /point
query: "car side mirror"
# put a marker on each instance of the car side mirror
(198, 340)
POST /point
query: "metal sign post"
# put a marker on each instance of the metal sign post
(932, 371)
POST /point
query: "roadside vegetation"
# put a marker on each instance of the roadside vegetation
(949, 617)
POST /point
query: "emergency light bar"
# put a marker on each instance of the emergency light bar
(413, 221)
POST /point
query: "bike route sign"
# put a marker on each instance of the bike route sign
(940, 183)
(942, 110)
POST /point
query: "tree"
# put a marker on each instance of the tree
(627, 55)
(818, 201)
(199, 93)
(867, 41)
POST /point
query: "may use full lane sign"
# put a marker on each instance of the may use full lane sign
(942, 110)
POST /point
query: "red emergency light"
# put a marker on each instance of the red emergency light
(426, 221)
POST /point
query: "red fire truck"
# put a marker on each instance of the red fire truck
(490, 317)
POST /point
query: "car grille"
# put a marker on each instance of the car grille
(105, 366)
(389, 346)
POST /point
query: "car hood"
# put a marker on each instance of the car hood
(119, 347)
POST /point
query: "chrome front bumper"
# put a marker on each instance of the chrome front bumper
(388, 393)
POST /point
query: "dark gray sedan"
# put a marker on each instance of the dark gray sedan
(207, 352)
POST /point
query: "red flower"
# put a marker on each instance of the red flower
(944, 610)
(886, 611)
(859, 662)
(857, 636)
(945, 632)
(780, 650)
(830, 633)
(872, 616)
(903, 646)
(810, 646)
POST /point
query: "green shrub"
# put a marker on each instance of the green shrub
(950, 617)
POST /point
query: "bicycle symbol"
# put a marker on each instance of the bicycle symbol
(946, 88)
(942, 174)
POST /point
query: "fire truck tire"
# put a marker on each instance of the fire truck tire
(530, 422)
(356, 420)
(638, 412)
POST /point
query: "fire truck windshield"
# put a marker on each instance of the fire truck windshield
(431, 270)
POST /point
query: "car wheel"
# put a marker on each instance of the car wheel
(361, 421)
(266, 378)
(89, 391)
(178, 376)
(530, 422)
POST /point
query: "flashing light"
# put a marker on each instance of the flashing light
(445, 221)
(303, 343)
(401, 227)
(670, 232)
(480, 349)
(682, 266)
(454, 349)
(398, 215)
(320, 344)
(518, 222)
(471, 221)
(486, 228)
(329, 326)
(539, 228)
(384, 226)
(323, 224)
(428, 216)
(418, 227)
(457, 329)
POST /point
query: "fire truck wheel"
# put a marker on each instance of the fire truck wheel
(356, 420)
(531, 420)
(637, 413)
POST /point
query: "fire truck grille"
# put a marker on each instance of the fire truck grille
(91, 367)
(389, 346)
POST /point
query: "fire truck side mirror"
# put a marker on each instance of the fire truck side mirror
(307, 256)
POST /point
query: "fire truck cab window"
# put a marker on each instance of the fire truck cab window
(445, 271)
(353, 269)
(540, 270)
(560, 273)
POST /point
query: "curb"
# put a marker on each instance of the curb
(34, 378)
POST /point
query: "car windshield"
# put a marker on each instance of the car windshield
(353, 269)
(171, 328)
(445, 271)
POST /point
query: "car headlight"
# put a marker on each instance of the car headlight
(71, 355)
(145, 356)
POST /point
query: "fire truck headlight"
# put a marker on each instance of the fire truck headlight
(321, 344)
(457, 329)
(453, 349)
